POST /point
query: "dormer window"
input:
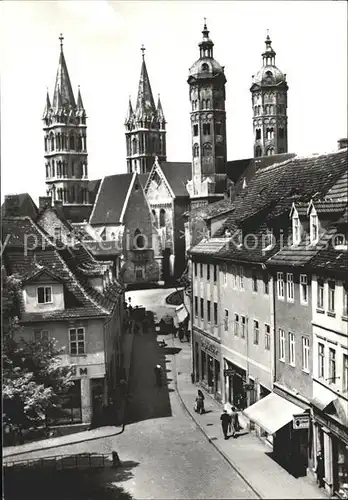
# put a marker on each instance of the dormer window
(205, 67)
(296, 235)
(44, 295)
(340, 242)
(314, 232)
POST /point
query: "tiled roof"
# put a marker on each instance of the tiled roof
(276, 187)
(299, 255)
(330, 207)
(93, 187)
(212, 210)
(340, 190)
(177, 175)
(110, 199)
(26, 206)
(143, 179)
(81, 299)
(330, 258)
(237, 168)
(209, 247)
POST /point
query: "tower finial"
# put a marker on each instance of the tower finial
(143, 51)
(61, 38)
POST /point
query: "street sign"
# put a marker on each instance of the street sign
(300, 421)
(227, 373)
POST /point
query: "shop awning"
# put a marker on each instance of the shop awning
(272, 412)
(181, 313)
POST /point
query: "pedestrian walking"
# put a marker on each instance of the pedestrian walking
(235, 427)
(158, 375)
(225, 423)
(320, 470)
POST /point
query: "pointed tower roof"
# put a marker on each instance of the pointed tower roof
(79, 100)
(63, 84)
(47, 105)
(160, 114)
(130, 112)
(145, 107)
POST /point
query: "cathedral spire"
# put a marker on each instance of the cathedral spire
(160, 114)
(63, 84)
(130, 113)
(145, 106)
(79, 100)
(47, 105)
(268, 57)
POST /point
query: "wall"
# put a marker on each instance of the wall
(30, 297)
(256, 360)
(296, 318)
(48, 220)
(181, 205)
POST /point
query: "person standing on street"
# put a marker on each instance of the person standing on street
(320, 470)
(225, 422)
(158, 375)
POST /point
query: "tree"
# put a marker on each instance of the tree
(32, 373)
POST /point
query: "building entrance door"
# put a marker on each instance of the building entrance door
(97, 392)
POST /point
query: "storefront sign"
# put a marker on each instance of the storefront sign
(81, 371)
(228, 373)
(300, 421)
(207, 346)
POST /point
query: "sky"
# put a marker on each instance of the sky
(102, 41)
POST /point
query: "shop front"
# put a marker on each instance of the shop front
(330, 437)
(236, 385)
(206, 356)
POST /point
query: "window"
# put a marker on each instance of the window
(290, 286)
(256, 332)
(267, 337)
(202, 308)
(44, 294)
(195, 130)
(320, 294)
(208, 272)
(303, 289)
(201, 270)
(332, 366)
(234, 277)
(340, 241)
(265, 285)
(280, 285)
(77, 341)
(215, 274)
(345, 299)
(40, 335)
(206, 128)
(281, 345)
(314, 228)
(345, 373)
(258, 134)
(305, 354)
(196, 307)
(291, 349)
(57, 234)
(244, 327)
(195, 268)
(241, 278)
(205, 67)
(226, 320)
(236, 324)
(208, 311)
(195, 150)
(321, 360)
(254, 279)
(215, 314)
(296, 230)
(139, 272)
(331, 302)
(162, 217)
(138, 240)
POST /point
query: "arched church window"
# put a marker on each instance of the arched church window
(203, 104)
(208, 104)
(79, 144)
(162, 217)
(45, 144)
(139, 239)
(52, 142)
(72, 142)
(154, 217)
(206, 128)
(270, 152)
(258, 134)
(195, 130)
(258, 151)
(134, 145)
(195, 150)
(271, 109)
(205, 67)
(52, 169)
(47, 170)
(207, 149)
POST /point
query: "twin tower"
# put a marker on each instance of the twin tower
(66, 132)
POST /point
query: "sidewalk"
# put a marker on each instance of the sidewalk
(247, 454)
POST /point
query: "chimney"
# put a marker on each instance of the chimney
(44, 201)
(342, 143)
(12, 206)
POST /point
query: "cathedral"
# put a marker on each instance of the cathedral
(172, 189)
